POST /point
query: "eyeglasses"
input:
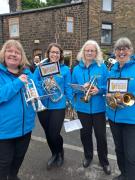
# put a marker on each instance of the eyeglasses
(55, 52)
(122, 48)
(89, 51)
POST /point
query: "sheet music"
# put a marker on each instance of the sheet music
(78, 87)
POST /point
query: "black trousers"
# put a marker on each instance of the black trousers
(52, 121)
(124, 139)
(12, 152)
(98, 123)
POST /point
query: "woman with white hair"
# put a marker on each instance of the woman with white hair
(90, 106)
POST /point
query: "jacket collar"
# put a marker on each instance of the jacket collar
(128, 63)
(82, 65)
(4, 69)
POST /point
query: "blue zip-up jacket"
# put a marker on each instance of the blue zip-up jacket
(126, 114)
(63, 80)
(82, 74)
(16, 117)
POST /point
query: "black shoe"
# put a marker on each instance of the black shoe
(60, 159)
(120, 177)
(107, 169)
(51, 162)
(86, 162)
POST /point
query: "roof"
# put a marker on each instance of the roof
(42, 9)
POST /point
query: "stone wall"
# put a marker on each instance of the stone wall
(49, 25)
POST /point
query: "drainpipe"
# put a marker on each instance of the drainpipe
(1, 31)
(88, 19)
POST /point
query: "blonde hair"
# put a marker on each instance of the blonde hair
(99, 57)
(17, 44)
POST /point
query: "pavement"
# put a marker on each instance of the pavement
(34, 165)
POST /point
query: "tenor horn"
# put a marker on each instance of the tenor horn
(51, 87)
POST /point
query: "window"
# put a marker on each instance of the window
(68, 57)
(106, 33)
(70, 24)
(14, 27)
(107, 5)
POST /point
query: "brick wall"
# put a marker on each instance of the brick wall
(48, 23)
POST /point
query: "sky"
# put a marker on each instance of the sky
(4, 6)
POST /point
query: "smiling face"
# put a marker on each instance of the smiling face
(13, 58)
(54, 54)
(123, 54)
(90, 53)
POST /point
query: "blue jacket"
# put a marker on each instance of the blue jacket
(81, 75)
(126, 114)
(16, 117)
(63, 79)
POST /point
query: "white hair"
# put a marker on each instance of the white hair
(99, 57)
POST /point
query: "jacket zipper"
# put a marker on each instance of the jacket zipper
(23, 112)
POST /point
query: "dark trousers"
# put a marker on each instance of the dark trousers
(98, 123)
(12, 152)
(52, 121)
(124, 139)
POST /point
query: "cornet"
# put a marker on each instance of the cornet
(31, 95)
(120, 100)
(88, 94)
(51, 87)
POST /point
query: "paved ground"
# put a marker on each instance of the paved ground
(34, 165)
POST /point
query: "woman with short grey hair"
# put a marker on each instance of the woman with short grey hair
(122, 115)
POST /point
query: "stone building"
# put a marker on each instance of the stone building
(70, 24)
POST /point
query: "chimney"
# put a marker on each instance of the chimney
(15, 5)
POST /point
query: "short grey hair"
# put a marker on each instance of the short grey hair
(99, 57)
(123, 42)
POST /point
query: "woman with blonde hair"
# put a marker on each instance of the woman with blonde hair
(90, 106)
(16, 117)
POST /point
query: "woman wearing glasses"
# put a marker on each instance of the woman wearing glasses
(52, 119)
(90, 106)
(122, 118)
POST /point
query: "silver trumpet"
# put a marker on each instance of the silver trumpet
(31, 95)
(51, 87)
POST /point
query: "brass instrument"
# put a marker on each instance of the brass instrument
(31, 95)
(120, 100)
(88, 94)
(51, 87)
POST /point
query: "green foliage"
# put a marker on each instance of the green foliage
(54, 2)
(32, 4)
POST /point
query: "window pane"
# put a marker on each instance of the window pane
(107, 5)
(14, 27)
(70, 24)
(106, 35)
